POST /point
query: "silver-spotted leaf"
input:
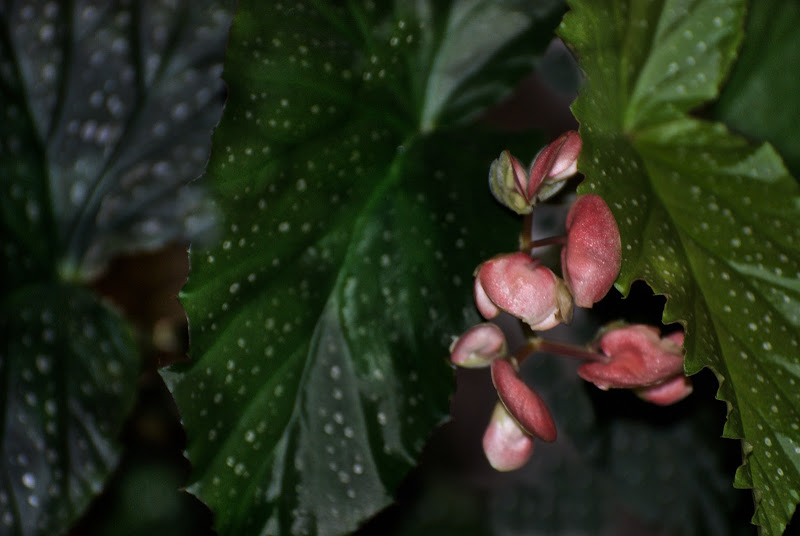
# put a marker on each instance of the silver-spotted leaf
(107, 112)
(320, 321)
(68, 368)
(706, 218)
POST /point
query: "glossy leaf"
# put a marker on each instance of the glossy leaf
(320, 322)
(759, 100)
(68, 370)
(705, 216)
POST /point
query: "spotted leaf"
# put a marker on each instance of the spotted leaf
(706, 217)
(105, 117)
(68, 369)
(107, 112)
(320, 321)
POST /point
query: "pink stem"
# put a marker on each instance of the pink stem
(562, 240)
(527, 245)
(525, 235)
(565, 350)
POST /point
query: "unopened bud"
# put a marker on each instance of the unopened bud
(508, 182)
(638, 357)
(554, 165)
(522, 402)
(524, 288)
(479, 346)
(505, 443)
(592, 256)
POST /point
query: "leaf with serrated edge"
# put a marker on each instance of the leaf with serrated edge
(68, 370)
(706, 218)
(320, 322)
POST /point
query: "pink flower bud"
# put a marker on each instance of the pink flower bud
(638, 357)
(522, 402)
(522, 287)
(505, 443)
(479, 346)
(591, 259)
(553, 165)
(667, 392)
(508, 182)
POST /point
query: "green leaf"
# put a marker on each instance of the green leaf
(706, 218)
(320, 322)
(106, 115)
(759, 100)
(68, 371)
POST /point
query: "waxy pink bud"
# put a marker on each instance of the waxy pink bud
(554, 164)
(522, 402)
(479, 346)
(667, 392)
(522, 287)
(592, 256)
(519, 189)
(505, 443)
(508, 182)
(638, 357)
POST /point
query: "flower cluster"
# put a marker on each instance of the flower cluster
(632, 357)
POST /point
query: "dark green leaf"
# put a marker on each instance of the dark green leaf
(106, 114)
(105, 117)
(760, 100)
(320, 322)
(705, 217)
(68, 370)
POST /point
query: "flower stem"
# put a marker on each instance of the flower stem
(527, 244)
(548, 241)
(537, 344)
(525, 234)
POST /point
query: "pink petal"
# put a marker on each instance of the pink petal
(520, 286)
(667, 392)
(479, 346)
(556, 162)
(638, 357)
(486, 307)
(591, 259)
(506, 445)
(527, 407)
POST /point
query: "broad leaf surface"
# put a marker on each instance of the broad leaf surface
(759, 100)
(107, 112)
(68, 370)
(105, 117)
(320, 321)
(706, 218)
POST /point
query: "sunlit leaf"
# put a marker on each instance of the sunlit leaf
(705, 217)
